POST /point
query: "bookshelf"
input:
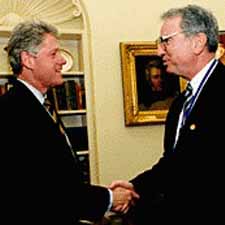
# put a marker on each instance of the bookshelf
(70, 98)
(70, 103)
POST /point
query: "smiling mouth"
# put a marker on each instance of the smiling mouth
(59, 70)
(165, 62)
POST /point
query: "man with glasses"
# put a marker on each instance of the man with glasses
(186, 185)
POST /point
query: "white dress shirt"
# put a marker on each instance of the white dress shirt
(195, 84)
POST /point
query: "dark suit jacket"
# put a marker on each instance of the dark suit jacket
(186, 185)
(40, 180)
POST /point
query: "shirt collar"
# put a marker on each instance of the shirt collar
(195, 82)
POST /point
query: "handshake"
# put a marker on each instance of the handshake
(124, 196)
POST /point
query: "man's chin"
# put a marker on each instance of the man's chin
(168, 69)
(59, 82)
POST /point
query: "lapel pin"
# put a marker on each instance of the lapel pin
(192, 126)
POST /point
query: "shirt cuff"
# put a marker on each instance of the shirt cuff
(110, 200)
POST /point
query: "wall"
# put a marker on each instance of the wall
(125, 151)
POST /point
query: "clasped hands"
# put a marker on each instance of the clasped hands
(124, 196)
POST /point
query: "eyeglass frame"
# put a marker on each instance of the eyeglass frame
(163, 40)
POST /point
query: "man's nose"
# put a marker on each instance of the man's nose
(62, 60)
(160, 50)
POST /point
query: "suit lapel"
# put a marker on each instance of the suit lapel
(198, 112)
(172, 123)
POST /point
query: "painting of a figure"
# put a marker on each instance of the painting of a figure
(156, 88)
(220, 54)
(148, 90)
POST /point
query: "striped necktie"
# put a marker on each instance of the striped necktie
(52, 112)
(187, 103)
(50, 109)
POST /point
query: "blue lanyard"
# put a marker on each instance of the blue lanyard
(199, 88)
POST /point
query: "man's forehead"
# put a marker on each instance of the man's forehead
(154, 71)
(171, 24)
(50, 43)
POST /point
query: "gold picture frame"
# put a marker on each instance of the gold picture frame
(220, 54)
(135, 57)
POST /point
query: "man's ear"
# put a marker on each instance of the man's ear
(27, 60)
(200, 41)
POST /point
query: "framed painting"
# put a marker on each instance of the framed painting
(220, 54)
(148, 89)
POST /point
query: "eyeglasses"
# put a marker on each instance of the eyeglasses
(164, 40)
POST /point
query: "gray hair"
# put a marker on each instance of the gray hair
(196, 19)
(27, 36)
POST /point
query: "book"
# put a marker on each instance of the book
(71, 99)
(60, 97)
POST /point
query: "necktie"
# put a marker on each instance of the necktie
(52, 112)
(188, 99)
(187, 103)
(50, 109)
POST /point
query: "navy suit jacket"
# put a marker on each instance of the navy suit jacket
(187, 185)
(41, 182)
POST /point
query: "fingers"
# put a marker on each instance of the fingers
(121, 183)
(124, 196)
(125, 208)
(121, 208)
(126, 185)
(135, 195)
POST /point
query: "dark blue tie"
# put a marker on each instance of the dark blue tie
(188, 102)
